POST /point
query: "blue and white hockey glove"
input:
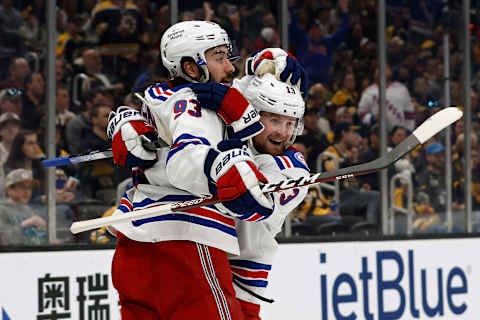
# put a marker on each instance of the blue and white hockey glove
(242, 119)
(131, 135)
(283, 65)
(233, 176)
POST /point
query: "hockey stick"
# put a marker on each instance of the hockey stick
(63, 161)
(425, 131)
(95, 155)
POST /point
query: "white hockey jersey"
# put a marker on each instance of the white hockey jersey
(399, 106)
(191, 131)
(257, 240)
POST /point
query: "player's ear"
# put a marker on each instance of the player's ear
(191, 69)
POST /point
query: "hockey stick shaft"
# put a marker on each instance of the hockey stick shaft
(63, 161)
(95, 155)
(425, 131)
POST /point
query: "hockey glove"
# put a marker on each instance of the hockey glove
(242, 119)
(132, 138)
(234, 177)
(280, 63)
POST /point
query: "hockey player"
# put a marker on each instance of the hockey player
(281, 110)
(175, 266)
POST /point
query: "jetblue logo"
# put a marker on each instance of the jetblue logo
(428, 292)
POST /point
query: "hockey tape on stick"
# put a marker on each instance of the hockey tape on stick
(425, 131)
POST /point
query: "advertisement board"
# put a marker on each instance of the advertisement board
(378, 280)
(57, 285)
(418, 279)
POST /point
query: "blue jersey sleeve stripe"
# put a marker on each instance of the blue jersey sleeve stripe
(250, 264)
(188, 218)
(187, 136)
(124, 208)
(152, 93)
(252, 283)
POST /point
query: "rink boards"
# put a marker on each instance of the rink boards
(407, 279)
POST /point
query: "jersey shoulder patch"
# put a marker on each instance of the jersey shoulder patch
(291, 159)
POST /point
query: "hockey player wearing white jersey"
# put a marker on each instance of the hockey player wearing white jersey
(175, 266)
(399, 107)
(281, 112)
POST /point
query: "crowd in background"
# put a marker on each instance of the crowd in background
(106, 50)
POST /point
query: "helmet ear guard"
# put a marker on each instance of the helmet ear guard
(268, 94)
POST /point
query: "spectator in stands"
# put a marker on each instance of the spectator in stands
(19, 223)
(317, 97)
(370, 181)
(76, 129)
(9, 127)
(317, 101)
(354, 201)
(314, 48)
(399, 107)
(97, 177)
(32, 101)
(119, 26)
(93, 67)
(25, 154)
(73, 41)
(12, 42)
(356, 39)
(160, 24)
(347, 94)
(431, 179)
(62, 99)
(458, 172)
(10, 101)
(18, 70)
(343, 115)
(228, 17)
(317, 140)
(61, 78)
(269, 38)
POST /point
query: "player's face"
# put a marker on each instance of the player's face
(219, 65)
(274, 139)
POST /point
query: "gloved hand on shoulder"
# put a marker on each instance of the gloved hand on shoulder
(242, 119)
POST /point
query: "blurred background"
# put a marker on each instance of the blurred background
(65, 67)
